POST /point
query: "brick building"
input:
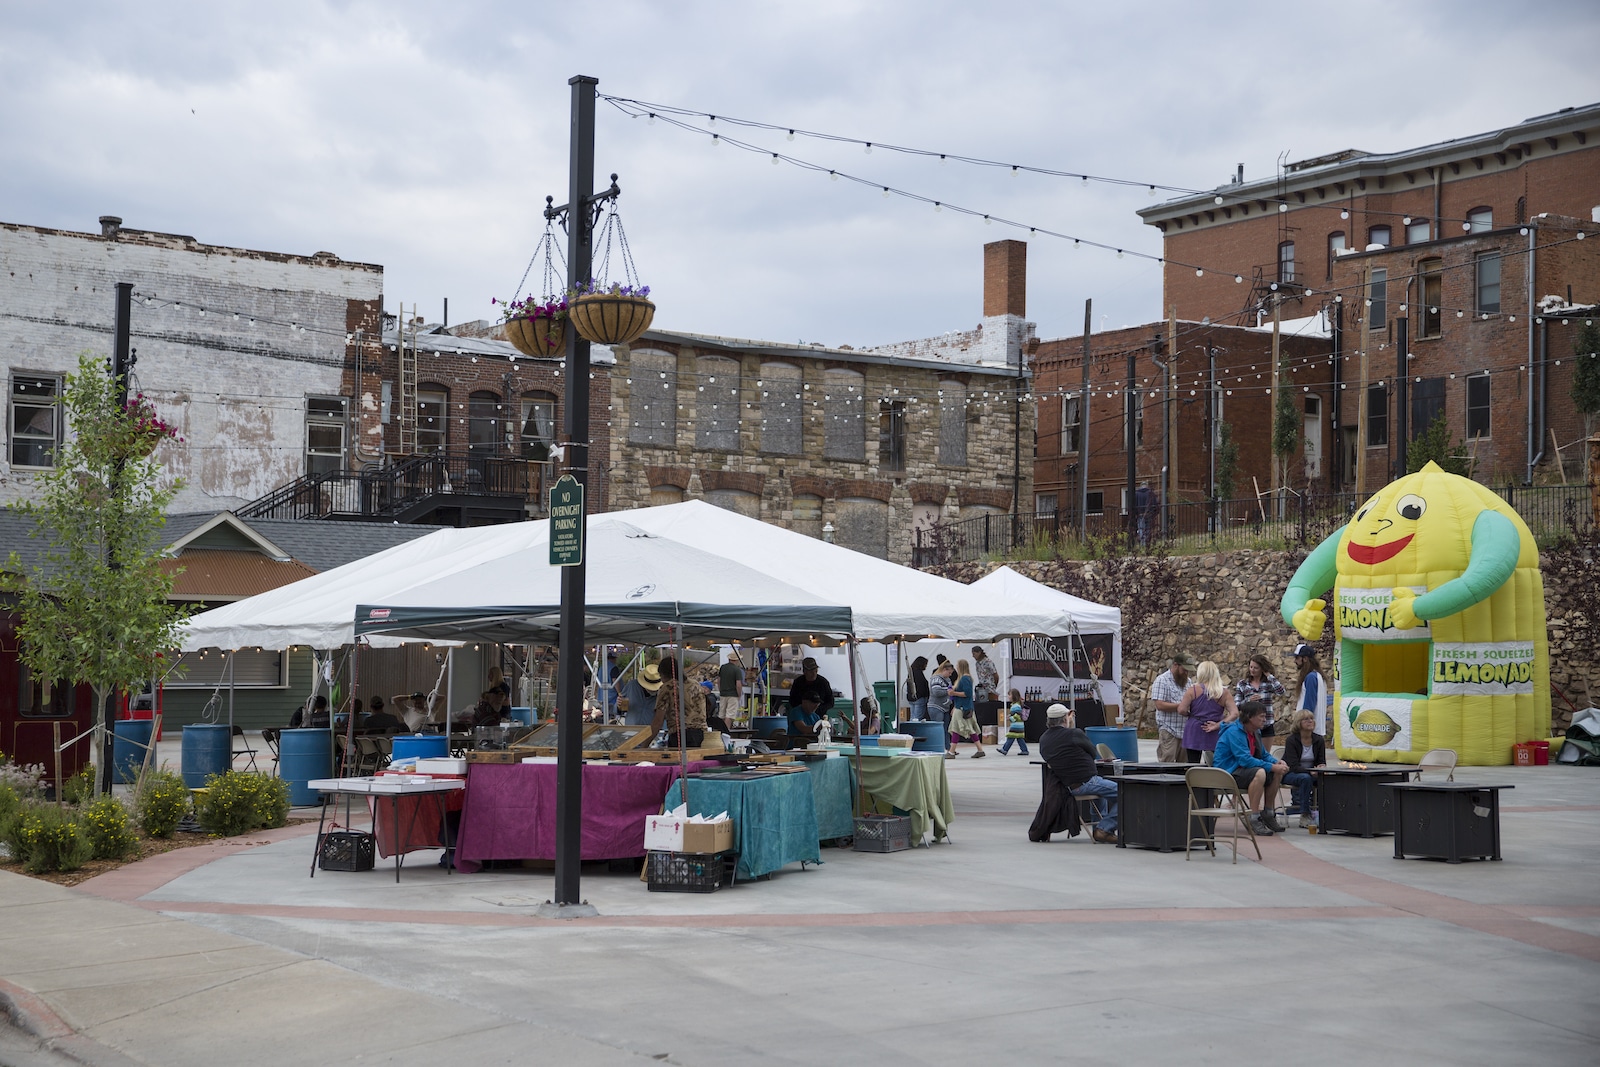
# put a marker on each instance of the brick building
(241, 350)
(1231, 365)
(871, 443)
(1469, 241)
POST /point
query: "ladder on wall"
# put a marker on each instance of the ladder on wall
(408, 387)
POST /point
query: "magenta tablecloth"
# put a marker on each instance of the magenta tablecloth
(510, 810)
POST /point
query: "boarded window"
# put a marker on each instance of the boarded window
(844, 429)
(653, 399)
(952, 424)
(863, 525)
(717, 403)
(665, 494)
(780, 390)
(807, 512)
(736, 500)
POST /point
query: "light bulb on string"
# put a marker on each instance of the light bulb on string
(867, 149)
(1344, 213)
(790, 137)
(774, 159)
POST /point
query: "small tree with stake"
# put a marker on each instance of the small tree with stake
(95, 610)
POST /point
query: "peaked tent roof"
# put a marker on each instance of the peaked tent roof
(1092, 618)
(887, 601)
(637, 586)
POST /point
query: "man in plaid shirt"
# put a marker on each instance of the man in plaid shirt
(1166, 693)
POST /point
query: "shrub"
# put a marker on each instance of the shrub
(47, 838)
(10, 808)
(106, 825)
(163, 803)
(79, 788)
(26, 779)
(237, 802)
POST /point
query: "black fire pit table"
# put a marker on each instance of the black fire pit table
(1350, 800)
(1450, 821)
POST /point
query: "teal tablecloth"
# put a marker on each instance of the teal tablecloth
(774, 819)
(832, 786)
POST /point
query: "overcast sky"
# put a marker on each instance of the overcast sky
(424, 137)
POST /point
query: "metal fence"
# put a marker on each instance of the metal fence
(1285, 520)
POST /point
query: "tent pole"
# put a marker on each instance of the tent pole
(855, 717)
(683, 747)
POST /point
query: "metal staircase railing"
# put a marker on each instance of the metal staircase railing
(393, 492)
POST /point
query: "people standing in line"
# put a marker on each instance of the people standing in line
(917, 690)
(1261, 685)
(1167, 693)
(1303, 750)
(1071, 757)
(637, 701)
(1242, 754)
(939, 701)
(1016, 725)
(1204, 707)
(963, 711)
(1313, 691)
(985, 676)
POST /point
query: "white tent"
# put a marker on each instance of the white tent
(887, 601)
(1090, 618)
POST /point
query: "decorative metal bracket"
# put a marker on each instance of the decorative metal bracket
(595, 202)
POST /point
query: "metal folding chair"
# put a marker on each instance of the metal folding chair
(242, 747)
(1220, 781)
(270, 736)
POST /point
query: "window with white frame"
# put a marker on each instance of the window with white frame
(1479, 219)
(1071, 424)
(1418, 231)
(538, 425)
(35, 419)
(327, 424)
(1487, 266)
(433, 408)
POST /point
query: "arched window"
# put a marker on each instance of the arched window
(538, 425)
(952, 423)
(485, 422)
(1479, 220)
(781, 414)
(717, 403)
(844, 431)
(1382, 236)
(653, 399)
(1286, 261)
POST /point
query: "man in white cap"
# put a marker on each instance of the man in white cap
(1072, 759)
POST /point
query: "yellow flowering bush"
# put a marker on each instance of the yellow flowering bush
(163, 803)
(48, 838)
(237, 802)
(106, 825)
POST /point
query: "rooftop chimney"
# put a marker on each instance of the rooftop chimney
(109, 225)
(1005, 278)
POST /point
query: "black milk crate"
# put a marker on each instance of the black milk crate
(347, 850)
(882, 833)
(689, 872)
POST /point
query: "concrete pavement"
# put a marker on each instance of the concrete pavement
(990, 947)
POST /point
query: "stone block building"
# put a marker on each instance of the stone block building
(1472, 249)
(860, 445)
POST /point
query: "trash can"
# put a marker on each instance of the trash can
(129, 739)
(304, 755)
(929, 735)
(524, 716)
(1123, 741)
(207, 750)
(766, 726)
(423, 746)
(888, 710)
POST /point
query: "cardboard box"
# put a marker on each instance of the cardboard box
(441, 765)
(674, 833)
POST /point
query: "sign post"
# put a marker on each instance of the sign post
(566, 522)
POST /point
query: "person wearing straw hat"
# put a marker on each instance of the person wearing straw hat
(638, 700)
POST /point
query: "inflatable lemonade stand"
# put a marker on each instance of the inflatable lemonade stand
(1440, 627)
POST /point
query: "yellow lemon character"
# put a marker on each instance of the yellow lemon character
(1438, 607)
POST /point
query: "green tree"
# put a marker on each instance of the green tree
(1434, 443)
(95, 609)
(1227, 461)
(1586, 375)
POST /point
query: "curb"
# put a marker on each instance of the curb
(30, 1014)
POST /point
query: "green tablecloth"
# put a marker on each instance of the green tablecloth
(832, 786)
(774, 819)
(915, 784)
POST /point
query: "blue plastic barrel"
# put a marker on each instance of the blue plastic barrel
(767, 725)
(304, 755)
(423, 746)
(522, 715)
(1123, 741)
(929, 735)
(207, 750)
(129, 738)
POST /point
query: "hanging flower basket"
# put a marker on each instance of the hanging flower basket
(537, 337)
(145, 429)
(615, 316)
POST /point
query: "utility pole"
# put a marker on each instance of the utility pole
(1361, 397)
(1169, 432)
(1083, 430)
(569, 701)
(122, 360)
(1211, 417)
(1402, 387)
(1272, 452)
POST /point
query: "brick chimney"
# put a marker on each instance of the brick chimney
(109, 225)
(1005, 279)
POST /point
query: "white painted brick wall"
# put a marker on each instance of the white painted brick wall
(235, 391)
